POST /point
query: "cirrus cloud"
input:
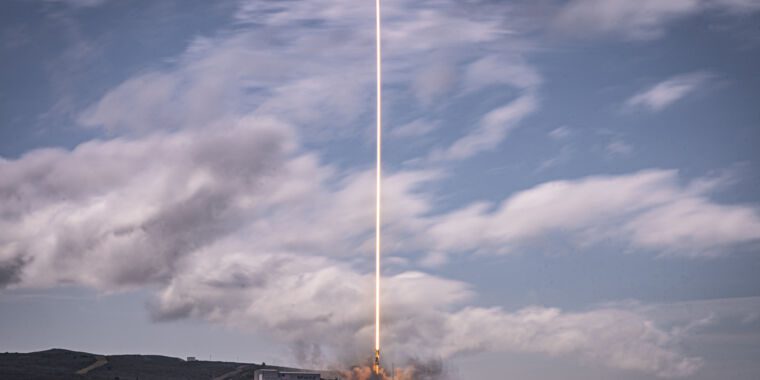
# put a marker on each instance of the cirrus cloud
(669, 91)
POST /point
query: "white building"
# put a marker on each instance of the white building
(273, 374)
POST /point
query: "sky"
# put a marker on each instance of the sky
(570, 187)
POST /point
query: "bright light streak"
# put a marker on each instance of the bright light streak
(378, 190)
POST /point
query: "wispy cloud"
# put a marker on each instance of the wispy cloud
(639, 208)
(560, 133)
(637, 20)
(499, 70)
(79, 3)
(667, 92)
(619, 147)
(491, 131)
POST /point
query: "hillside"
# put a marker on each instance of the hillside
(65, 364)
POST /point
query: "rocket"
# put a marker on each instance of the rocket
(376, 364)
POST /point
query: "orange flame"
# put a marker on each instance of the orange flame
(367, 373)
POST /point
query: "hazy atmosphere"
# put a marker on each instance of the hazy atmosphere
(571, 188)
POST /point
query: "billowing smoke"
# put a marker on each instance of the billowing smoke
(413, 369)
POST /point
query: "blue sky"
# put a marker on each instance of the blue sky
(571, 186)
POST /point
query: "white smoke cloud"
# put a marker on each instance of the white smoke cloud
(311, 300)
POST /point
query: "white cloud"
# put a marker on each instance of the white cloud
(561, 133)
(619, 147)
(648, 209)
(126, 212)
(667, 92)
(223, 77)
(86, 227)
(716, 311)
(496, 70)
(491, 131)
(637, 20)
(619, 338)
(79, 3)
(734, 6)
(409, 29)
(250, 68)
(130, 209)
(695, 226)
(645, 19)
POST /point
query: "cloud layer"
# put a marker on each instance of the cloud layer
(640, 20)
(226, 223)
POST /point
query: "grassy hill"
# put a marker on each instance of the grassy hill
(64, 364)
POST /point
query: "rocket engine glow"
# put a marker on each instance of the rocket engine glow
(378, 189)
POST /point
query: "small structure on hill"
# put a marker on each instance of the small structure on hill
(273, 374)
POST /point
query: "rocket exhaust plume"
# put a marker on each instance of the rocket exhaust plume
(414, 369)
(376, 363)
